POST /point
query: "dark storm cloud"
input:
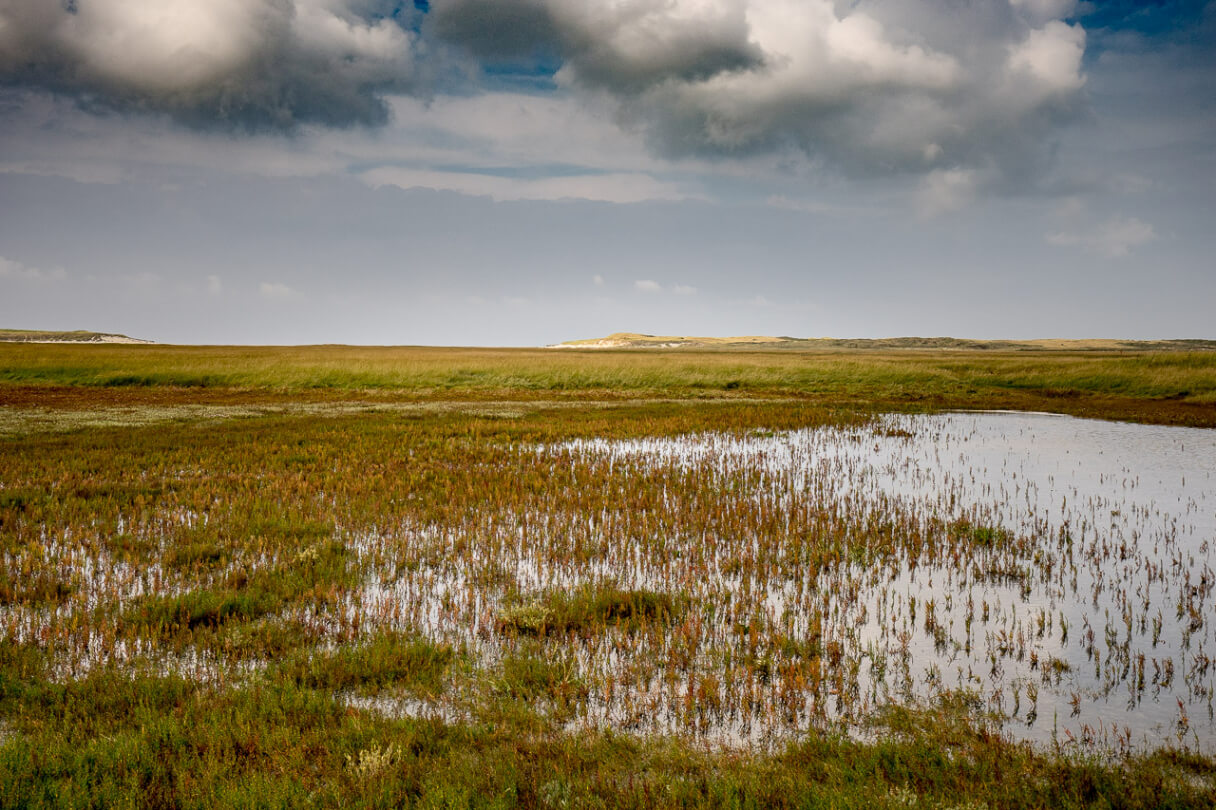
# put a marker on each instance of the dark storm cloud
(622, 47)
(255, 64)
(511, 31)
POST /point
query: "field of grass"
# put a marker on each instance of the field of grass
(333, 576)
(1168, 387)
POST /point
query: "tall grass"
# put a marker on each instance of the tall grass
(1185, 375)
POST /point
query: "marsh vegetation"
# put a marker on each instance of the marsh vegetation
(289, 596)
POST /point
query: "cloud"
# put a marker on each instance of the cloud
(943, 191)
(653, 287)
(604, 187)
(810, 206)
(888, 87)
(1051, 58)
(597, 280)
(215, 285)
(913, 86)
(1037, 12)
(275, 291)
(253, 64)
(1114, 238)
(16, 271)
(622, 47)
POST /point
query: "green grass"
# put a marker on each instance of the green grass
(384, 661)
(41, 587)
(109, 741)
(316, 574)
(200, 609)
(249, 543)
(125, 384)
(1148, 374)
(587, 609)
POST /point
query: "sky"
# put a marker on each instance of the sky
(524, 172)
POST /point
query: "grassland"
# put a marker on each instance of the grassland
(1168, 387)
(226, 574)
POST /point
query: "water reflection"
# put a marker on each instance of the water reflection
(1077, 605)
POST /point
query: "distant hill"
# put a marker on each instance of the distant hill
(634, 340)
(79, 336)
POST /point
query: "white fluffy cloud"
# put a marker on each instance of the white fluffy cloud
(914, 86)
(884, 87)
(256, 63)
(1051, 57)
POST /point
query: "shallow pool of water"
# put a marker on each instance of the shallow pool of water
(1089, 617)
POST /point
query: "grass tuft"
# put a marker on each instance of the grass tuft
(587, 609)
(384, 661)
